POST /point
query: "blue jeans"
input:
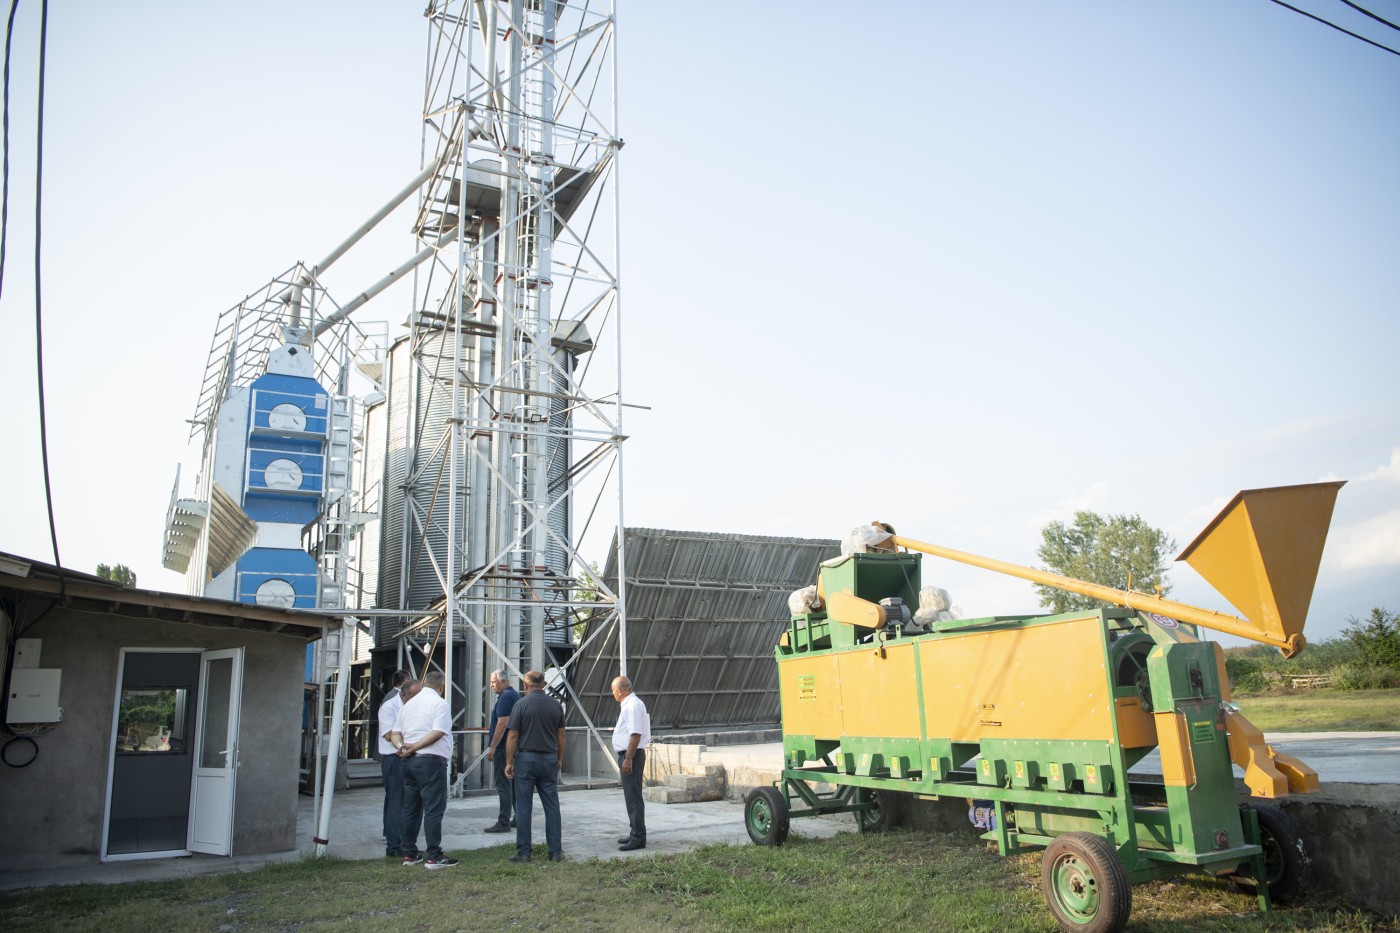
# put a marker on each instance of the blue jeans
(424, 802)
(536, 772)
(391, 769)
(505, 788)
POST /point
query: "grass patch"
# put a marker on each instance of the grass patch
(900, 880)
(1325, 711)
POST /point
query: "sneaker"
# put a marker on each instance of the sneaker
(443, 862)
(413, 860)
(497, 828)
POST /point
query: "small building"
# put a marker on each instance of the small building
(141, 724)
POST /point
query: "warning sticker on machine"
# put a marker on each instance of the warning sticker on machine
(1203, 732)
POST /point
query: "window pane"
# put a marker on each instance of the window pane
(219, 673)
(151, 719)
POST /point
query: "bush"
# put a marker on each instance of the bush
(1361, 676)
(1253, 682)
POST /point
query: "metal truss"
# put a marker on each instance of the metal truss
(516, 325)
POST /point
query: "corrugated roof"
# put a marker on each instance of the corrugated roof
(704, 611)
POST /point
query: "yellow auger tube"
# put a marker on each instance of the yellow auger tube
(1182, 612)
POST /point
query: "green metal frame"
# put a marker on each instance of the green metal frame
(1050, 786)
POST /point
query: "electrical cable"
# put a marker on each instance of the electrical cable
(5, 195)
(1361, 9)
(38, 290)
(1324, 22)
(5, 751)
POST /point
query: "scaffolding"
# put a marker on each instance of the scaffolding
(510, 413)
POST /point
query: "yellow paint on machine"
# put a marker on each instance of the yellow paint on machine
(811, 696)
(881, 693)
(1178, 767)
(1039, 682)
(849, 693)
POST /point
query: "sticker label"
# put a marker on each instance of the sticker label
(1162, 620)
(1203, 732)
(1091, 774)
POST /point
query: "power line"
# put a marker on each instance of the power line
(38, 281)
(1324, 22)
(5, 196)
(1361, 9)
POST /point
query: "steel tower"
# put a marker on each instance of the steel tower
(504, 422)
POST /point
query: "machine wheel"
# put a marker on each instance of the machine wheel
(1085, 884)
(766, 816)
(881, 815)
(1287, 867)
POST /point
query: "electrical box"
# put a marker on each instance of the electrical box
(34, 695)
(27, 652)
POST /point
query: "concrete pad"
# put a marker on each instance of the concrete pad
(593, 819)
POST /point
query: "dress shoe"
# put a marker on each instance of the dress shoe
(497, 828)
(556, 856)
(519, 858)
(632, 844)
(623, 839)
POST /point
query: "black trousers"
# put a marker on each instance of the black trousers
(505, 787)
(632, 794)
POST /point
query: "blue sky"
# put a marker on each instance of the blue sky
(959, 267)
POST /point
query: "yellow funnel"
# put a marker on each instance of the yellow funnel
(1262, 552)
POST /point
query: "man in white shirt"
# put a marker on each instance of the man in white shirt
(631, 737)
(391, 765)
(423, 737)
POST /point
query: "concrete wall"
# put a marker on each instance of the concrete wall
(52, 810)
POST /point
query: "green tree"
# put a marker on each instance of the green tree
(586, 591)
(1377, 637)
(117, 573)
(1121, 551)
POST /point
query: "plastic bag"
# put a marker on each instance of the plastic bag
(863, 538)
(804, 601)
(935, 605)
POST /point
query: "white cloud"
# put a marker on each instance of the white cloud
(1389, 472)
(1374, 543)
(1091, 499)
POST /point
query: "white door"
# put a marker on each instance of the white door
(216, 752)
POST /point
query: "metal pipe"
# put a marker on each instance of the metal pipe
(363, 298)
(337, 723)
(379, 215)
(1219, 621)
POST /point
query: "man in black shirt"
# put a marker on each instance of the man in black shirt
(534, 755)
(506, 698)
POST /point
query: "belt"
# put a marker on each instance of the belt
(430, 755)
(623, 751)
(536, 751)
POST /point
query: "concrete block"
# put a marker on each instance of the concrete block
(663, 793)
(707, 786)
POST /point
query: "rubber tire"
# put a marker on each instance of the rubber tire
(1086, 857)
(766, 816)
(1286, 860)
(889, 811)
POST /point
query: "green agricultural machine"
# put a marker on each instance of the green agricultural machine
(1037, 720)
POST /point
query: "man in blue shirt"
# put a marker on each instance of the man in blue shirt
(506, 696)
